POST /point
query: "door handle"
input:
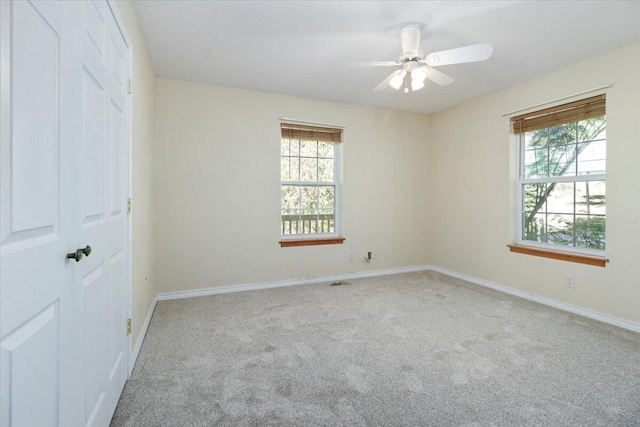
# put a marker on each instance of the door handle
(77, 255)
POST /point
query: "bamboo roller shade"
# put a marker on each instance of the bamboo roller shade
(566, 113)
(310, 133)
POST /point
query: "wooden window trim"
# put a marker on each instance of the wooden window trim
(563, 256)
(312, 242)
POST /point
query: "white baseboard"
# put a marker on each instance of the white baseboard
(267, 285)
(632, 326)
(143, 332)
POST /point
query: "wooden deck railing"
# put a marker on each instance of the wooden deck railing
(307, 224)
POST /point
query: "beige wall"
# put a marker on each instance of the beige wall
(218, 188)
(471, 173)
(144, 90)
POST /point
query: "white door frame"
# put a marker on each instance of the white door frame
(129, 150)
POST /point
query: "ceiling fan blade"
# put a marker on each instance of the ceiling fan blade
(370, 64)
(438, 77)
(410, 38)
(385, 83)
(473, 53)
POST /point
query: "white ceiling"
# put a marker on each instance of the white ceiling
(296, 47)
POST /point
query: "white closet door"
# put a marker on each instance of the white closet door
(38, 348)
(102, 217)
(64, 116)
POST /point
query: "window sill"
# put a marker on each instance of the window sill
(563, 256)
(312, 242)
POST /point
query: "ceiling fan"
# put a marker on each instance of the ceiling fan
(417, 67)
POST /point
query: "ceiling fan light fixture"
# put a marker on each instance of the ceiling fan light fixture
(397, 80)
(418, 75)
(416, 85)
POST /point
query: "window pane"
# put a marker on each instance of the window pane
(561, 198)
(284, 147)
(325, 149)
(562, 160)
(535, 197)
(590, 198)
(309, 169)
(284, 169)
(325, 170)
(536, 163)
(326, 202)
(290, 199)
(562, 134)
(294, 169)
(308, 148)
(326, 209)
(592, 129)
(590, 231)
(592, 158)
(534, 216)
(534, 227)
(294, 147)
(560, 230)
(309, 210)
(309, 200)
(291, 223)
(535, 139)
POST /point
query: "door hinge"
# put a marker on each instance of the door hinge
(129, 86)
(128, 326)
(129, 206)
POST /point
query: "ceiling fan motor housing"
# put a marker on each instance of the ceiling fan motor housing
(411, 65)
(410, 38)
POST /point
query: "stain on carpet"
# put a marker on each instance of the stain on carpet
(340, 283)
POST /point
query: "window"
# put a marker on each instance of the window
(562, 177)
(309, 184)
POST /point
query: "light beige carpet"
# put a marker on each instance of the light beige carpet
(409, 349)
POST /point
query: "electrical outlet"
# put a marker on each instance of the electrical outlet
(570, 282)
(351, 257)
(374, 255)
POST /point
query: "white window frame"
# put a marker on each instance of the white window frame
(336, 183)
(521, 181)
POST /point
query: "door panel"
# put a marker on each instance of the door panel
(31, 352)
(93, 148)
(31, 185)
(118, 173)
(94, 26)
(95, 284)
(116, 352)
(118, 60)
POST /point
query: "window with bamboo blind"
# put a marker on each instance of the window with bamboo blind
(562, 177)
(309, 178)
